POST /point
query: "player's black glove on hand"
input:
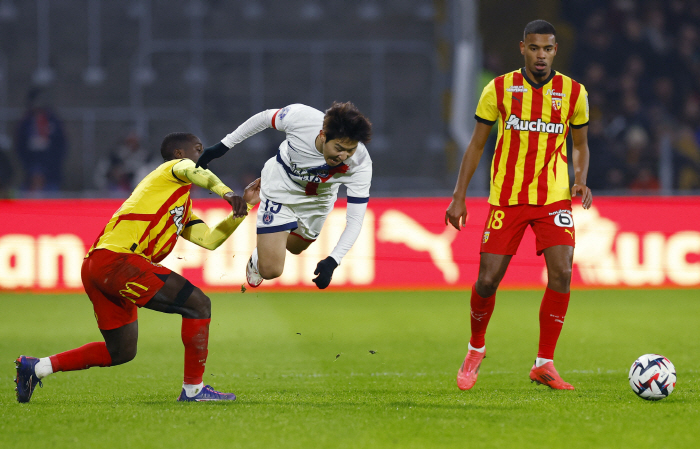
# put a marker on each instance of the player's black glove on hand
(210, 153)
(324, 270)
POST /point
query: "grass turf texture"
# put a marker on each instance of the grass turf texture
(279, 353)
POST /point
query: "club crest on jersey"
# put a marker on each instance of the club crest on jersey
(556, 103)
(514, 122)
(486, 236)
(177, 213)
(516, 89)
(268, 217)
(283, 112)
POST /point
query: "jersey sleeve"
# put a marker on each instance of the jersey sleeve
(285, 118)
(354, 217)
(487, 109)
(199, 233)
(360, 182)
(580, 117)
(186, 172)
(255, 124)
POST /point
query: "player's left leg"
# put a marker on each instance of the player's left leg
(296, 244)
(179, 296)
(555, 301)
(310, 219)
(553, 225)
(274, 223)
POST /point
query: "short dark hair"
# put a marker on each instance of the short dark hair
(172, 142)
(539, 27)
(345, 121)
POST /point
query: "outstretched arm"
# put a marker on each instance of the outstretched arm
(185, 170)
(197, 232)
(581, 156)
(250, 127)
(456, 213)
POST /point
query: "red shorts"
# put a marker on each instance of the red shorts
(552, 224)
(119, 283)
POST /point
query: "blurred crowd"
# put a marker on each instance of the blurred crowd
(640, 62)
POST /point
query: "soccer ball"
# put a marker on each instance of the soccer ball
(652, 377)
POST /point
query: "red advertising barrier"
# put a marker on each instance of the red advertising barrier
(621, 242)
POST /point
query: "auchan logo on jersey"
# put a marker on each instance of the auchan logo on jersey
(514, 122)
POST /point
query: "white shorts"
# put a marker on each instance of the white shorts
(304, 220)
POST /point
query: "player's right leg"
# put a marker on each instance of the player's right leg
(271, 253)
(116, 318)
(492, 268)
(503, 230)
(274, 223)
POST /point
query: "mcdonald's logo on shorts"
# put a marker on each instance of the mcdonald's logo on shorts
(129, 290)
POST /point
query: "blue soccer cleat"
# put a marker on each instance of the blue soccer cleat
(26, 379)
(207, 394)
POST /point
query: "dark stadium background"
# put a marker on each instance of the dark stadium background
(121, 74)
(106, 80)
(371, 361)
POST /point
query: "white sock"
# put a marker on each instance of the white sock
(472, 348)
(43, 367)
(254, 258)
(192, 390)
(539, 362)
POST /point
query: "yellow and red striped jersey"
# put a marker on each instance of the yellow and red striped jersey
(530, 162)
(151, 219)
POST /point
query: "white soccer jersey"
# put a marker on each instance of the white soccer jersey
(299, 175)
(302, 174)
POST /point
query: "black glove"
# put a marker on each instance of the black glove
(324, 270)
(210, 153)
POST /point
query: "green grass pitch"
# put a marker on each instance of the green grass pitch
(302, 367)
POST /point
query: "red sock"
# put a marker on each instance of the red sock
(195, 337)
(84, 357)
(481, 310)
(552, 313)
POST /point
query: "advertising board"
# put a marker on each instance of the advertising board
(404, 244)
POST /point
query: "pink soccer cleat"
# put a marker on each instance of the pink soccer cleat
(469, 371)
(547, 375)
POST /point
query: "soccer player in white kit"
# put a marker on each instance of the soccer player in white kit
(300, 184)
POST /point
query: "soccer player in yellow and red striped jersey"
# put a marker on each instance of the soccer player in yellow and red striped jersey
(121, 273)
(535, 108)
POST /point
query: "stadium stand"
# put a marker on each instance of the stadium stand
(640, 61)
(151, 67)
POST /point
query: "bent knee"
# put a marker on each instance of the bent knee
(296, 251)
(123, 355)
(270, 271)
(200, 305)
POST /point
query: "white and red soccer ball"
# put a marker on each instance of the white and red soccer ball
(652, 377)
